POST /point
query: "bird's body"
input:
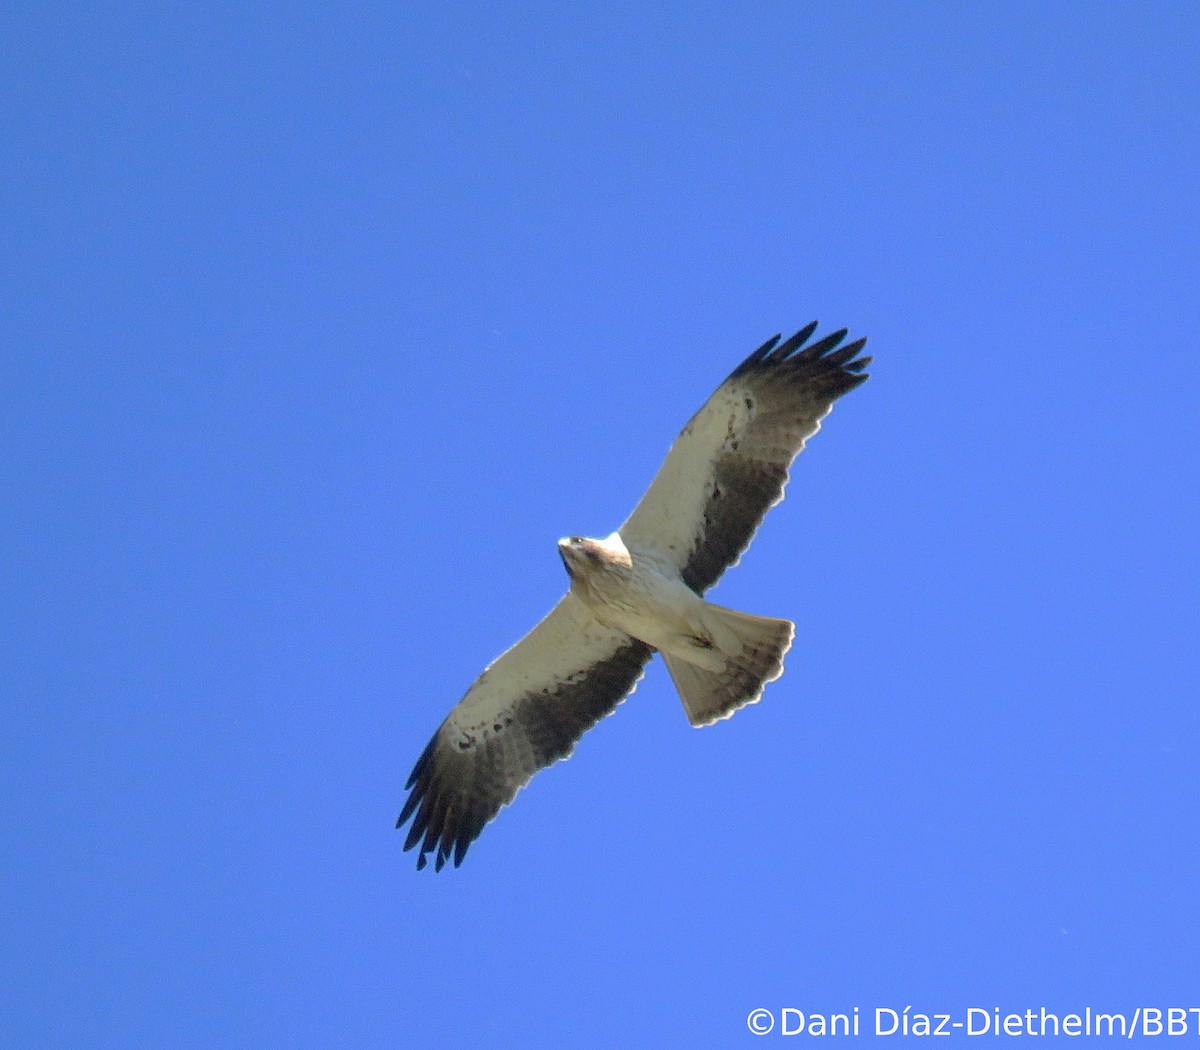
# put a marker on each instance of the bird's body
(642, 594)
(638, 591)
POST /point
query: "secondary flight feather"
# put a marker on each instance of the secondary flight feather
(637, 592)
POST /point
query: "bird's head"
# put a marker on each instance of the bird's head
(583, 555)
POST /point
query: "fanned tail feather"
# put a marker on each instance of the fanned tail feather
(754, 647)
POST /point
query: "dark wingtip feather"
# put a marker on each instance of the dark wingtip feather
(421, 805)
(758, 356)
(793, 359)
(795, 342)
(422, 762)
(433, 833)
(823, 346)
(418, 828)
(440, 830)
(410, 804)
(840, 357)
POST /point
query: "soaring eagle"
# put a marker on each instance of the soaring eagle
(637, 591)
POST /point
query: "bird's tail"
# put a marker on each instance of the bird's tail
(749, 651)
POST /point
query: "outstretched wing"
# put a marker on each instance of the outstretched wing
(527, 710)
(730, 464)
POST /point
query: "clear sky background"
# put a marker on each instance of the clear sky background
(321, 323)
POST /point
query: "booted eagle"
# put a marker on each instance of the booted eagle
(638, 591)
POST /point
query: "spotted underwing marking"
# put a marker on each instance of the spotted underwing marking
(700, 642)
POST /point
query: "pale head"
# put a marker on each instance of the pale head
(583, 555)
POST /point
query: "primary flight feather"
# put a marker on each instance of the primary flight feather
(639, 591)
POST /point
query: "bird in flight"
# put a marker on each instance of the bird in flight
(638, 591)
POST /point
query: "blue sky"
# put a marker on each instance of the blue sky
(322, 323)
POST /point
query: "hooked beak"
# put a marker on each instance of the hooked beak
(566, 552)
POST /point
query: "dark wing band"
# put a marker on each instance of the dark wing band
(729, 465)
(469, 770)
(795, 391)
